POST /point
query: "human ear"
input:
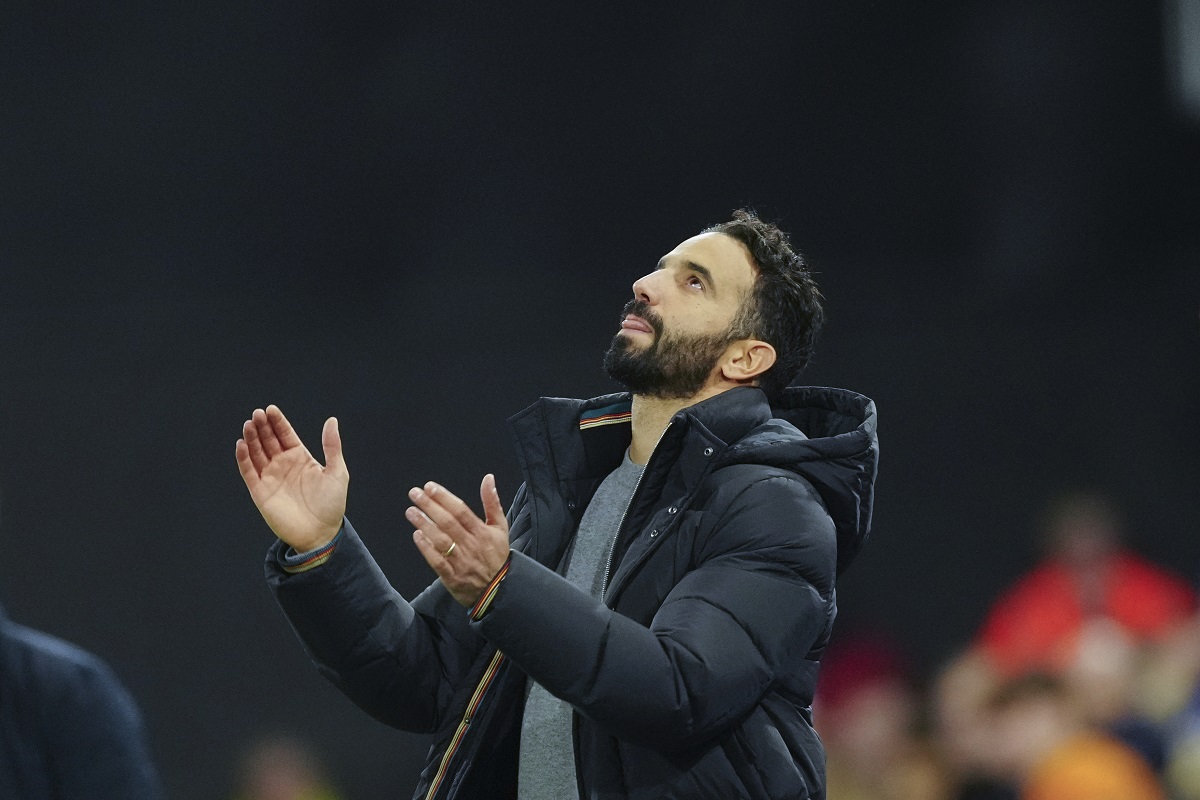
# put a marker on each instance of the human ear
(746, 360)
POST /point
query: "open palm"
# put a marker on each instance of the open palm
(302, 501)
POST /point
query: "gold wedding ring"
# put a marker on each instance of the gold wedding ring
(449, 549)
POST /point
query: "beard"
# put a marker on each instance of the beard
(673, 366)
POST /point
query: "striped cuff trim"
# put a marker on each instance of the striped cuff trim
(310, 560)
(485, 600)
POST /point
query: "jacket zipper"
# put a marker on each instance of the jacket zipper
(461, 732)
(613, 550)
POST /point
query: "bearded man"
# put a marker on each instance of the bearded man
(647, 620)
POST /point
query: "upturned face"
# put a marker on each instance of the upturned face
(677, 328)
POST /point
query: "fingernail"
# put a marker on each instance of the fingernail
(414, 493)
(431, 487)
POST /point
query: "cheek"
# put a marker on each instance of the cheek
(692, 314)
(713, 321)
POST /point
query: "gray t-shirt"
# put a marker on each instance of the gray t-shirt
(547, 767)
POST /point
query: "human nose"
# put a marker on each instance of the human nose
(644, 289)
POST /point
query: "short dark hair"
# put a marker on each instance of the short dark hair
(784, 307)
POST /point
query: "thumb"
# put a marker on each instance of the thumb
(331, 443)
(493, 509)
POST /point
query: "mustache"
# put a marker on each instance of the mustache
(640, 308)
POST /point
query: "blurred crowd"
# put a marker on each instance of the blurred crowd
(1081, 683)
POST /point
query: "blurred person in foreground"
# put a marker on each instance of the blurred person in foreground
(282, 768)
(647, 620)
(69, 730)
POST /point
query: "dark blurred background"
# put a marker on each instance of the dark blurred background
(421, 217)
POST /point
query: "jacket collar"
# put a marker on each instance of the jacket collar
(828, 436)
(567, 447)
(564, 439)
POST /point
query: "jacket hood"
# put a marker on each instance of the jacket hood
(837, 451)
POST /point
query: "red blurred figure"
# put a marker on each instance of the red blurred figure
(1086, 595)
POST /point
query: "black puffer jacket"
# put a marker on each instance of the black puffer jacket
(694, 677)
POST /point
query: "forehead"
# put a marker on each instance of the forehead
(724, 257)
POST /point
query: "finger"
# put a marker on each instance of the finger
(254, 446)
(419, 519)
(266, 433)
(284, 432)
(433, 556)
(245, 465)
(331, 443)
(437, 537)
(440, 516)
(449, 501)
(493, 509)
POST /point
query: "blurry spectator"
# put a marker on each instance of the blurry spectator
(1087, 613)
(1170, 675)
(965, 736)
(1183, 761)
(866, 713)
(1087, 605)
(282, 768)
(1169, 693)
(68, 729)
(1045, 745)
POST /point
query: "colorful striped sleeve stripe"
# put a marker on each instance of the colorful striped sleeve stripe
(489, 594)
(609, 415)
(311, 560)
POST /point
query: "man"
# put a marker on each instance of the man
(646, 621)
(68, 729)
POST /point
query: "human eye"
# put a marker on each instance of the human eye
(693, 282)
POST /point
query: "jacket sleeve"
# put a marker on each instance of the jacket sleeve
(400, 662)
(742, 621)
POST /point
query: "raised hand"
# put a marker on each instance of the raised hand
(301, 501)
(465, 551)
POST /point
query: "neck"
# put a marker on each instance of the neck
(650, 418)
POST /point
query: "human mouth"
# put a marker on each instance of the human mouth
(632, 322)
